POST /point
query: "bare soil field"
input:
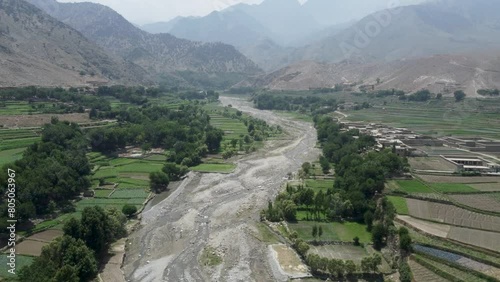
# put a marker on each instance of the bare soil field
(33, 245)
(440, 230)
(483, 239)
(221, 211)
(452, 215)
(41, 119)
(484, 202)
(346, 252)
(30, 247)
(422, 274)
(289, 261)
(112, 269)
(460, 179)
(431, 163)
(486, 187)
(46, 236)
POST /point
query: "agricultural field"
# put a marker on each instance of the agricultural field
(21, 261)
(439, 118)
(214, 168)
(431, 163)
(343, 252)
(413, 186)
(319, 184)
(452, 215)
(400, 204)
(483, 239)
(435, 229)
(486, 202)
(288, 260)
(458, 259)
(452, 188)
(422, 274)
(460, 179)
(332, 231)
(37, 120)
(456, 247)
(32, 246)
(452, 271)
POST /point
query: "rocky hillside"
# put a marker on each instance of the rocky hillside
(36, 49)
(437, 27)
(439, 73)
(157, 53)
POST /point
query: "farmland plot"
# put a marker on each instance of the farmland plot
(452, 215)
(431, 163)
(486, 202)
(458, 259)
(461, 275)
(459, 179)
(342, 252)
(484, 239)
(422, 274)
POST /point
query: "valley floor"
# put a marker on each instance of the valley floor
(205, 230)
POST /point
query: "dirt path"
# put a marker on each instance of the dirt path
(219, 211)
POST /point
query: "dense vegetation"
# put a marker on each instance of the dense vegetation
(308, 104)
(185, 132)
(51, 173)
(488, 92)
(76, 256)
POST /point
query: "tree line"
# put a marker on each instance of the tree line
(77, 255)
(304, 104)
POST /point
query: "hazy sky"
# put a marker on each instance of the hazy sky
(147, 11)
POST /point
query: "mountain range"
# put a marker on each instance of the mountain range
(69, 40)
(36, 49)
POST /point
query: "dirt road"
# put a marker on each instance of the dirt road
(219, 211)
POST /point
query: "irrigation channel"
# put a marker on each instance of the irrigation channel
(219, 212)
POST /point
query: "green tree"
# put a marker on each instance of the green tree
(459, 95)
(129, 210)
(67, 274)
(350, 267)
(158, 181)
(320, 231)
(315, 231)
(378, 236)
(62, 259)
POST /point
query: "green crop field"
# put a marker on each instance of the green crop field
(102, 193)
(319, 184)
(436, 117)
(413, 186)
(452, 188)
(400, 204)
(129, 194)
(332, 231)
(214, 168)
(21, 261)
(9, 156)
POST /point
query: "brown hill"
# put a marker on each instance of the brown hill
(36, 49)
(157, 53)
(440, 73)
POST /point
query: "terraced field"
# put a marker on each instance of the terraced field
(452, 215)
(457, 273)
(342, 252)
(486, 202)
(480, 238)
(423, 274)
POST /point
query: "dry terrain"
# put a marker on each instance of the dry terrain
(219, 211)
(41, 119)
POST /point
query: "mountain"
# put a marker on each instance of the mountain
(438, 27)
(157, 53)
(36, 49)
(438, 73)
(334, 12)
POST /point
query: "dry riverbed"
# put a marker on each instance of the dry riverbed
(218, 212)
